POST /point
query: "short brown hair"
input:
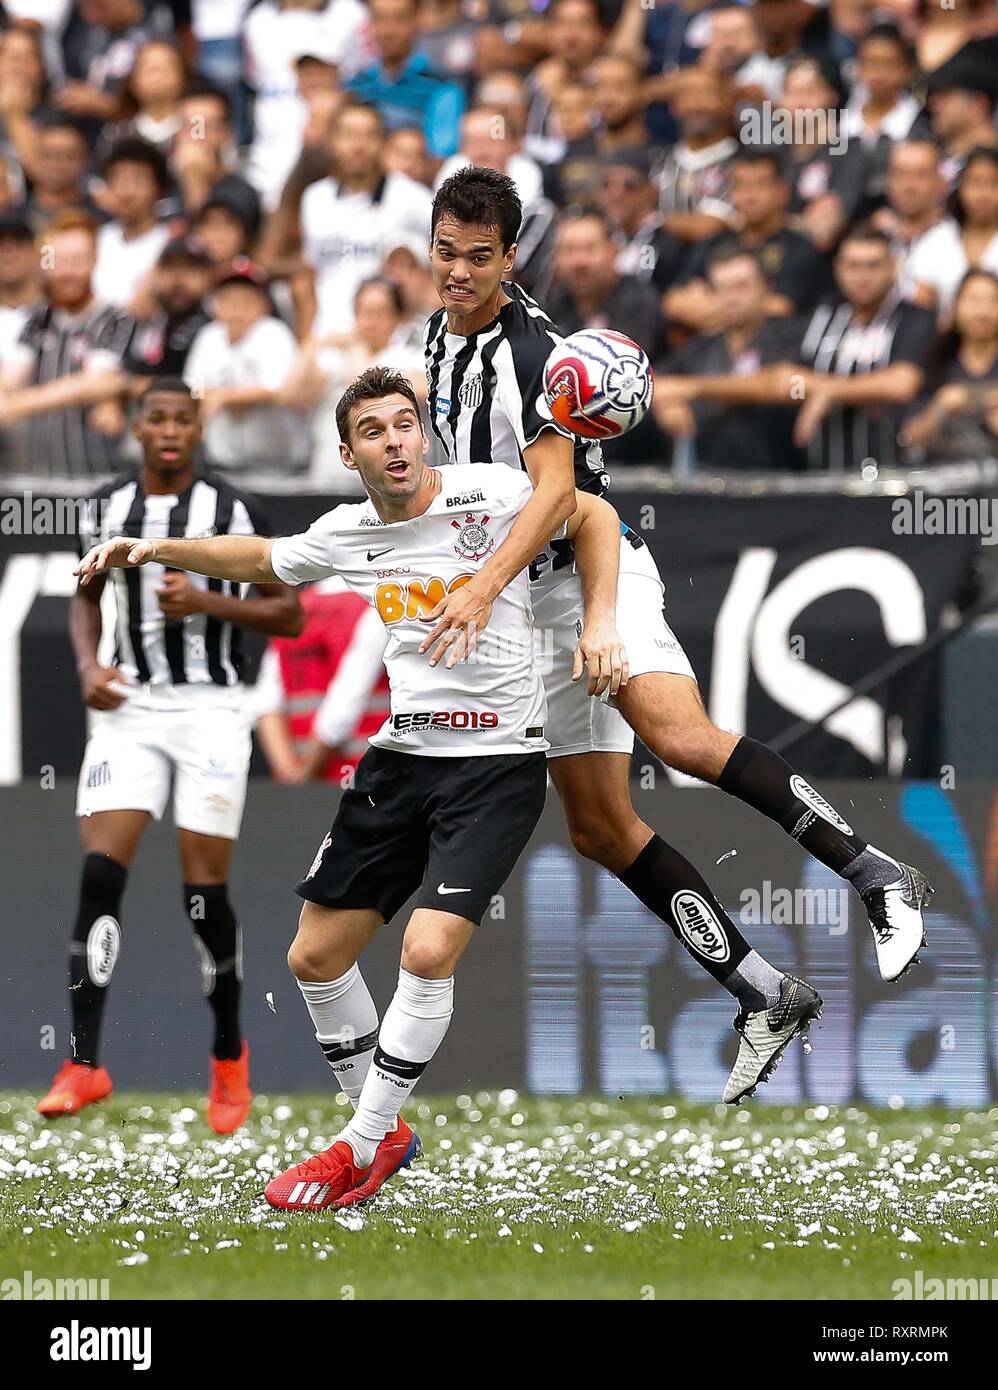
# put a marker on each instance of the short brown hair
(69, 220)
(371, 386)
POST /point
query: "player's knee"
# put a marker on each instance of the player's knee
(594, 838)
(307, 960)
(429, 958)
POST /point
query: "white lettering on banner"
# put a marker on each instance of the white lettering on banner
(24, 578)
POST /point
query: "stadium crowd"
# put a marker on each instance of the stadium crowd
(791, 205)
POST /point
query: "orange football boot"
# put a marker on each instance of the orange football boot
(230, 1098)
(75, 1086)
(397, 1150)
(318, 1181)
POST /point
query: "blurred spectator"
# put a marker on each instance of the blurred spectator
(734, 48)
(694, 178)
(403, 83)
(217, 26)
(944, 254)
(576, 36)
(962, 107)
(412, 274)
(224, 229)
(590, 292)
(796, 272)
(945, 34)
(448, 38)
(868, 352)
(882, 110)
(128, 247)
(151, 95)
(24, 91)
(204, 159)
(618, 98)
(239, 365)
(321, 695)
(276, 34)
(62, 159)
(697, 394)
(351, 221)
(20, 284)
(406, 153)
(99, 57)
(63, 378)
(180, 284)
(960, 419)
(827, 174)
(572, 168)
(325, 367)
(915, 202)
(487, 141)
(628, 197)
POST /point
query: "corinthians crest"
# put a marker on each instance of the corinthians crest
(472, 541)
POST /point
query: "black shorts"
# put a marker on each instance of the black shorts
(451, 827)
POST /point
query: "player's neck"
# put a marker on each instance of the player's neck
(409, 508)
(158, 482)
(466, 324)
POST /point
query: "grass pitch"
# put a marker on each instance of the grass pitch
(516, 1197)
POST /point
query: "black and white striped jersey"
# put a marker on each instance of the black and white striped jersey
(150, 649)
(485, 392)
(61, 443)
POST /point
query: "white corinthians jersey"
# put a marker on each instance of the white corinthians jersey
(491, 703)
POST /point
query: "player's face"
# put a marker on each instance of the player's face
(468, 265)
(169, 429)
(387, 447)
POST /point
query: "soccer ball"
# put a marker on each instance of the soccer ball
(598, 383)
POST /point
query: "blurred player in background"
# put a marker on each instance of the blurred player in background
(320, 696)
(169, 706)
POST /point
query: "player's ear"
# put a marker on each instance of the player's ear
(510, 257)
(346, 455)
(137, 425)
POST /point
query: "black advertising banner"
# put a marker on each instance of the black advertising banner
(784, 603)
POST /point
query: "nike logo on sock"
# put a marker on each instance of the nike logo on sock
(442, 889)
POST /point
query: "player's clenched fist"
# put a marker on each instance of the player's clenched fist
(118, 553)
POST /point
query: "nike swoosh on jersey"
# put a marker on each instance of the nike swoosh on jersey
(442, 889)
(377, 554)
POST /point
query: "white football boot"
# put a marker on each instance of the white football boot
(895, 914)
(766, 1034)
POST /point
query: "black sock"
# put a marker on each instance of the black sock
(671, 887)
(761, 778)
(94, 950)
(217, 937)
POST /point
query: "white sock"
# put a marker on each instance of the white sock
(412, 1029)
(346, 1026)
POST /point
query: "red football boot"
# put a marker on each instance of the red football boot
(75, 1086)
(318, 1182)
(230, 1097)
(397, 1150)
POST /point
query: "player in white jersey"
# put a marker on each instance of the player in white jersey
(454, 783)
(486, 351)
(166, 707)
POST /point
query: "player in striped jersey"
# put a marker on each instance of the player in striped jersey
(168, 704)
(485, 352)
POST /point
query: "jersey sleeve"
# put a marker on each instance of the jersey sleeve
(309, 555)
(521, 389)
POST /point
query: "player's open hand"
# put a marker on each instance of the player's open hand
(178, 597)
(96, 683)
(459, 618)
(121, 552)
(602, 653)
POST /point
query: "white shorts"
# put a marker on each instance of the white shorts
(577, 723)
(203, 745)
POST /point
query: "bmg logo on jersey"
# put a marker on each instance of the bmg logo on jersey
(415, 599)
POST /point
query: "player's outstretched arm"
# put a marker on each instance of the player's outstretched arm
(245, 559)
(595, 531)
